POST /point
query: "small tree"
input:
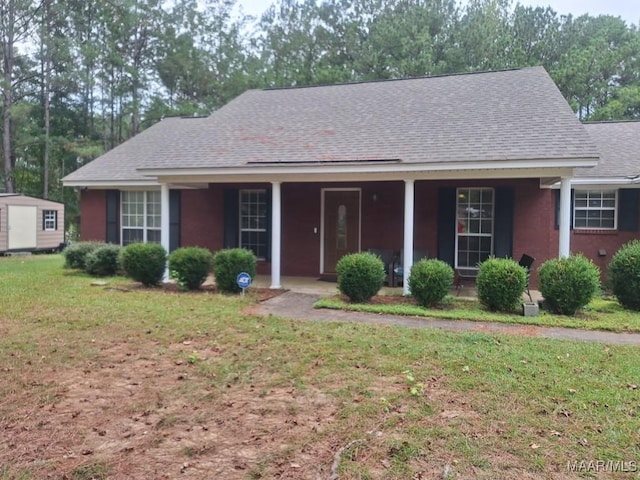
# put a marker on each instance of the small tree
(360, 276)
(501, 283)
(568, 284)
(430, 281)
(624, 275)
(144, 262)
(190, 266)
(228, 264)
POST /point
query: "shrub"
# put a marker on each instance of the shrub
(144, 262)
(500, 284)
(103, 261)
(623, 275)
(430, 281)
(75, 255)
(568, 284)
(190, 266)
(227, 264)
(360, 276)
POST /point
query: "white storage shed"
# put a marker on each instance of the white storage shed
(29, 224)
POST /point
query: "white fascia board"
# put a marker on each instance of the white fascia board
(102, 184)
(602, 182)
(395, 168)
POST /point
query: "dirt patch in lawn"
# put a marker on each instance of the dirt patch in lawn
(142, 414)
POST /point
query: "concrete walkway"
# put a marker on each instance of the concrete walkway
(298, 305)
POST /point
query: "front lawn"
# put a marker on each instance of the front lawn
(600, 314)
(120, 381)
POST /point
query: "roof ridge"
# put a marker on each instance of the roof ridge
(626, 120)
(383, 80)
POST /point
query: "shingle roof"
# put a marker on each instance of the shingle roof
(619, 146)
(509, 115)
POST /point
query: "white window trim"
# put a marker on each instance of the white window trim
(261, 230)
(587, 208)
(145, 228)
(493, 224)
(50, 224)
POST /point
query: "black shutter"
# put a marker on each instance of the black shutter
(55, 219)
(447, 224)
(231, 218)
(174, 219)
(557, 209)
(503, 218)
(269, 197)
(44, 216)
(628, 210)
(113, 215)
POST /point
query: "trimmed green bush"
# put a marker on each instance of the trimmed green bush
(75, 255)
(229, 263)
(430, 281)
(500, 284)
(568, 284)
(360, 276)
(189, 266)
(103, 261)
(144, 262)
(623, 275)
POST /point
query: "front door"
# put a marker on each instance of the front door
(341, 226)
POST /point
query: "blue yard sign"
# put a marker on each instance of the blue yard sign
(243, 280)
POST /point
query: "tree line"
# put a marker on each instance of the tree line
(79, 77)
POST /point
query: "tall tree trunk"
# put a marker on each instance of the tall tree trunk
(45, 46)
(7, 49)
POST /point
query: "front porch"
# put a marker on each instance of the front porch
(302, 228)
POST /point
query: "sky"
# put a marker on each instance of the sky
(629, 10)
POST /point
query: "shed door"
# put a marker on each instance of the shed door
(341, 226)
(23, 227)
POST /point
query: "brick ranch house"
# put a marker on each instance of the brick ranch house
(459, 166)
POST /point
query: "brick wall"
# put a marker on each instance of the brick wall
(93, 215)
(201, 215)
(382, 221)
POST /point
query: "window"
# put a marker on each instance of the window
(50, 220)
(253, 221)
(474, 220)
(594, 209)
(140, 217)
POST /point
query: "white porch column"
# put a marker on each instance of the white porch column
(276, 234)
(564, 247)
(164, 223)
(407, 261)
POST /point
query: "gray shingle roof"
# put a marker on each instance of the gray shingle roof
(510, 115)
(619, 146)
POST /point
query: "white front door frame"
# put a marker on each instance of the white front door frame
(322, 226)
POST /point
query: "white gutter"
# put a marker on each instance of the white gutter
(364, 168)
(101, 184)
(601, 181)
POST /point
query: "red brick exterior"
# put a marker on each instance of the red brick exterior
(93, 215)
(382, 211)
(201, 217)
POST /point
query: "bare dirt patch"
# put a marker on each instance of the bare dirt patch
(142, 414)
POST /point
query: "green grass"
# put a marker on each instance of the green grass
(421, 401)
(600, 314)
